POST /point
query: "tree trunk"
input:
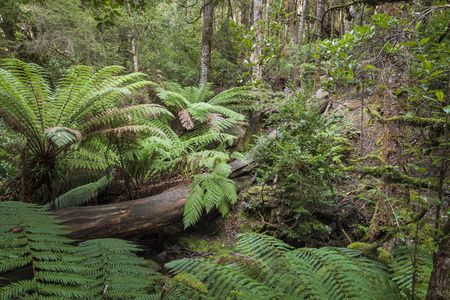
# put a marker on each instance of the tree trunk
(245, 7)
(439, 287)
(291, 9)
(257, 52)
(134, 51)
(136, 217)
(300, 41)
(207, 39)
(320, 9)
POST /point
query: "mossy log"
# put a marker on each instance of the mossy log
(414, 121)
(392, 175)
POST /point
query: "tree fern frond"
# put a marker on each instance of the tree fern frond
(62, 136)
(220, 281)
(81, 194)
(186, 119)
(116, 272)
(28, 235)
(172, 98)
(117, 131)
(193, 208)
(200, 94)
(143, 111)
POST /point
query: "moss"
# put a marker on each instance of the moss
(384, 256)
(192, 281)
(361, 246)
(199, 245)
(259, 197)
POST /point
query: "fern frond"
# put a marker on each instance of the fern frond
(81, 194)
(221, 281)
(186, 119)
(117, 131)
(264, 247)
(31, 236)
(403, 269)
(116, 272)
(143, 111)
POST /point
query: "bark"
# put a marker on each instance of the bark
(132, 218)
(207, 39)
(439, 286)
(392, 144)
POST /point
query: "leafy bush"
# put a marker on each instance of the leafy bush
(300, 160)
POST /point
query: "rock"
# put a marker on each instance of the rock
(320, 94)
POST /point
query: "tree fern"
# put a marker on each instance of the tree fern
(82, 106)
(81, 194)
(209, 190)
(196, 105)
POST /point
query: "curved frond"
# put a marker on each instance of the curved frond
(82, 194)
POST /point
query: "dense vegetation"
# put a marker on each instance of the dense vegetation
(104, 102)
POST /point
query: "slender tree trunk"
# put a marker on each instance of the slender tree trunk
(257, 52)
(300, 41)
(320, 8)
(341, 23)
(207, 39)
(291, 9)
(134, 51)
(245, 7)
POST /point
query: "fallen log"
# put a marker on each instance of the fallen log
(131, 218)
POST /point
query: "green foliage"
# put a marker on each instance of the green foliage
(114, 269)
(81, 107)
(270, 269)
(93, 270)
(208, 191)
(263, 268)
(300, 160)
(409, 262)
(30, 236)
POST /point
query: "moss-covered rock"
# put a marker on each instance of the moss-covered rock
(382, 255)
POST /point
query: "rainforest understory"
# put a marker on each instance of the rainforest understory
(224, 149)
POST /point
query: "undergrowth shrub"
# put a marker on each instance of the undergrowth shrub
(300, 161)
